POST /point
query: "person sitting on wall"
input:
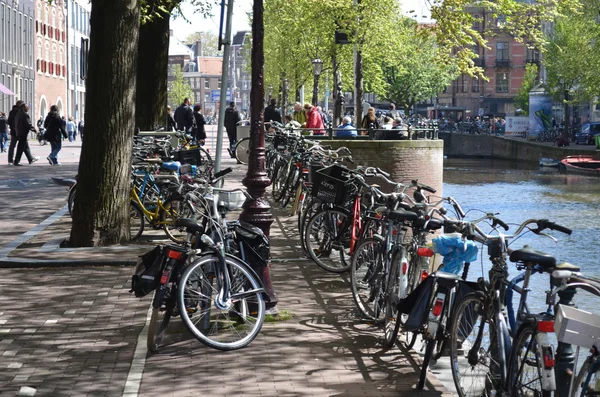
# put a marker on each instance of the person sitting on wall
(346, 129)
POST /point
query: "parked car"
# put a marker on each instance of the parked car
(587, 133)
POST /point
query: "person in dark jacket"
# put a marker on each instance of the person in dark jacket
(23, 126)
(199, 133)
(13, 131)
(171, 124)
(80, 128)
(271, 112)
(184, 117)
(232, 117)
(3, 132)
(55, 132)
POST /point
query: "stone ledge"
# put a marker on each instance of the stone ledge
(404, 144)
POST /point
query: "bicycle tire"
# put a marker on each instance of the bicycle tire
(158, 325)
(242, 150)
(581, 378)
(320, 251)
(282, 193)
(176, 208)
(310, 210)
(136, 228)
(426, 360)
(289, 189)
(390, 318)
(525, 340)
(472, 309)
(365, 279)
(245, 307)
(71, 199)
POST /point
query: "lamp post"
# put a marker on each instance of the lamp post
(317, 69)
(257, 210)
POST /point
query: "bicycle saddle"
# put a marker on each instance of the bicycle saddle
(191, 225)
(402, 215)
(529, 255)
(567, 266)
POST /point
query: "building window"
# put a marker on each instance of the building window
(206, 84)
(465, 84)
(206, 98)
(533, 55)
(476, 23)
(475, 84)
(2, 31)
(502, 79)
(501, 21)
(502, 51)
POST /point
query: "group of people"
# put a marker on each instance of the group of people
(18, 125)
(189, 120)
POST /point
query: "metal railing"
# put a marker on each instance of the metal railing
(370, 134)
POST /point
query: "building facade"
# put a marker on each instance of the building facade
(202, 74)
(504, 66)
(51, 57)
(78, 22)
(17, 65)
(239, 71)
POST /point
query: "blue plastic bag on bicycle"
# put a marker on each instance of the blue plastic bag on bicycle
(455, 251)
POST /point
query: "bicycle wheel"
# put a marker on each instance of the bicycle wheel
(582, 380)
(326, 237)
(136, 221)
(303, 219)
(392, 298)
(525, 374)
(175, 208)
(242, 150)
(71, 200)
(221, 325)
(290, 187)
(408, 338)
(473, 359)
(366, 279)
(158, 323)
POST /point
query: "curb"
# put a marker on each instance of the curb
(26, 263)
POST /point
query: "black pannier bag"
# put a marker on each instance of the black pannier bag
(254, 243)
(147, 272)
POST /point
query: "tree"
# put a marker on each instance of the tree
(101, 212)
(210, 43)
(416, 74)
(522, 98)
(572, 61)
(180, 89)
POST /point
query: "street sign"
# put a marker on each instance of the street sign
(216, 95)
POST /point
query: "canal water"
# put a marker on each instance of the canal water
(517, 192)
(521, 191)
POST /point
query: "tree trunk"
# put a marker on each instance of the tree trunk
(101, 213)
(151, 86)
(358, 86)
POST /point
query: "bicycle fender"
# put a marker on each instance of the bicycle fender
(542, 345)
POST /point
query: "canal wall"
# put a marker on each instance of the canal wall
(467, 145)
(404, 160)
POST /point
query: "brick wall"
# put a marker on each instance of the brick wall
(404, 160)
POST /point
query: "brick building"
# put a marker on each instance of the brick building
(504, 65)
(17, 65)
(51, 57)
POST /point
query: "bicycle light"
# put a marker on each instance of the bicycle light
(545, 326)
(177, 255)
(424, 251)
(438, 306)
(548, 354)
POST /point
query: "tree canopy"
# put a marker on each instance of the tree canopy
(529, 81)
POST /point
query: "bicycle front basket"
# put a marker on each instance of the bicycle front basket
(331, 184)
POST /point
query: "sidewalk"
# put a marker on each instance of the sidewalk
(78, 332)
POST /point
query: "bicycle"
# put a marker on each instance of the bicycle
(484, 359)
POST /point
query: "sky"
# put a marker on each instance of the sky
(182, 29)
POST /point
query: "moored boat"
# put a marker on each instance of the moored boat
(585, 165)
(547, 162)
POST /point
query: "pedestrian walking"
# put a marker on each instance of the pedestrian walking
(272, 113)
(13, 130)
(184, 117)
(3, 132)
(198, 131)
(23, 126)
(55, 132)
(171, 124)
(71, 129)
(80, 128)
(232, 118)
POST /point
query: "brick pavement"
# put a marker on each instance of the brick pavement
(74, 331)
